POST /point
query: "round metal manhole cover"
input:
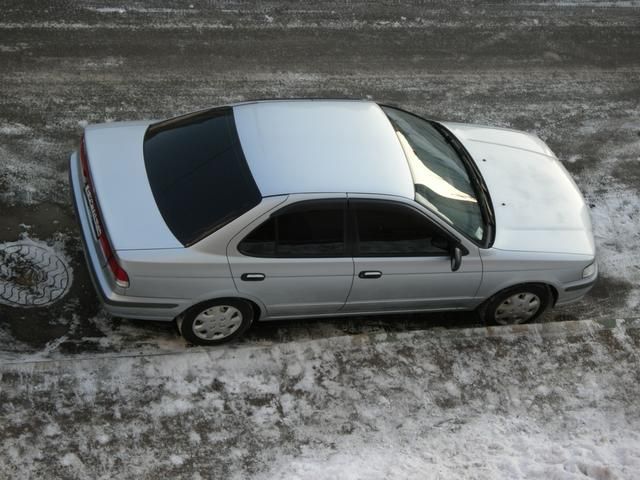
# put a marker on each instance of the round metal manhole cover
(32, 274)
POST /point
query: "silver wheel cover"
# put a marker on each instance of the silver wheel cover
(518, 308)
(217, 322)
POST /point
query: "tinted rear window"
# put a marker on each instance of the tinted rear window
(308, 229)
(198, 174)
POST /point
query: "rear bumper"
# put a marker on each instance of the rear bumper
(115, 303)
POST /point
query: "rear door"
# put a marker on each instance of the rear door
(295, 261)
(402, 261)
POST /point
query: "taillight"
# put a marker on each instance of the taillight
(122, 279)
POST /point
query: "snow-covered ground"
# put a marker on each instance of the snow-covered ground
(86, 396)
(542, 402)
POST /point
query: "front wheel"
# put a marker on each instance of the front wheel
(516, 305)
(216, 321)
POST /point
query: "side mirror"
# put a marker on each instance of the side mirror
(456, 258)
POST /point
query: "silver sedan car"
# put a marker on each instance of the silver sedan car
(308, 208)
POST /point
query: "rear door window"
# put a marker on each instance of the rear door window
(308, 229)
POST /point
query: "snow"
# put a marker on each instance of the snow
(557, 402)
(14, 129)
(52, 430)
(615, 214)
(27, 180)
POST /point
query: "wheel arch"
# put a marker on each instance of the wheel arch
(553, 289)
(255, 306)
(553, 292)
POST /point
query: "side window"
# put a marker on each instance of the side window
(309, 229)
(384, 229)
(261, 242)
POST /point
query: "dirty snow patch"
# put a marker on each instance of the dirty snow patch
(14, 129)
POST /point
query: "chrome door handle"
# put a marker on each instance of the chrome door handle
(370, 274)
(252, 277)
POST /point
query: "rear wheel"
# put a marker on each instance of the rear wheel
(216, 321)
(516, 305)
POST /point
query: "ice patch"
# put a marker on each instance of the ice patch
(71, 460)
(553, 56)
(194, 437)
(452, 389)
(14, 129)
(52, 430)
(108, 10)
(171, 406)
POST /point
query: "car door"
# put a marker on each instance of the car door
(402, 261)
(295, 261)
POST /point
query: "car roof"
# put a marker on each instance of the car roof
(322, 146)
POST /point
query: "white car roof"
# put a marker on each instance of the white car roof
(322, 146)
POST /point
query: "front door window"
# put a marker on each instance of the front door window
(385, 230)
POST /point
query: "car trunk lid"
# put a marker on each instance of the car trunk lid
(123, 196)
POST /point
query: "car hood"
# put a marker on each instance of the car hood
(129, 212)
(538, 206)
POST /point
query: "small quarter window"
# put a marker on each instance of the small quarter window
(262, 241)
(395, 230)
(310, 229)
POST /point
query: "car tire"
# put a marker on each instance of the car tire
(216, 321)
(516, 305)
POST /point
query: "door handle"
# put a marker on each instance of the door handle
(370, 274)
(252, 277)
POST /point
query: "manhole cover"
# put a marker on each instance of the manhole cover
(32, 275)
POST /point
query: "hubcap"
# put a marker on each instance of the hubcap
(517, 308)
(217, 322)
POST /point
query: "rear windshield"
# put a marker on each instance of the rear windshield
(198, 174)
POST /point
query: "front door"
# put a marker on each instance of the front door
(296, 261)
(402, 261)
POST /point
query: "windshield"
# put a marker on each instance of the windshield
(441, 179)
(198, 174)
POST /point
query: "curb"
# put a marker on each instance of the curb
(540, 330)
(552, 329)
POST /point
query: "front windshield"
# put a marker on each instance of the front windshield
(441, 179)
